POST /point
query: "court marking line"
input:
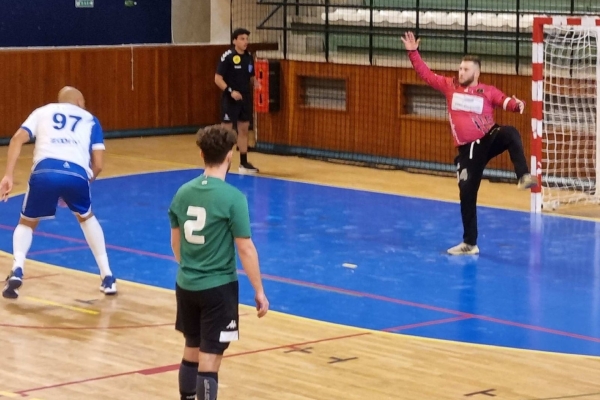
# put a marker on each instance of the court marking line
(186, 166)
(28, 278)
(191, 167)
(251, 309)
(83, 328)
(484, 205)
(171, 367)
(396, 194)
(58, 250)
(60, 305)
(101, 178)
(434, 308)
(427, 323)
(154, 161)
(574, 396)
(538, 328)
(267, 176)
(108, 246)
(356, 293)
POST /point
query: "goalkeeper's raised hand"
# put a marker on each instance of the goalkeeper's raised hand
(410, 42)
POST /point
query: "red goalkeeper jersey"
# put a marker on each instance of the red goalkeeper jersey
(470, 109)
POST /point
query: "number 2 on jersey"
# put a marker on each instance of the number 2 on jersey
(195, 225)
(61, 121)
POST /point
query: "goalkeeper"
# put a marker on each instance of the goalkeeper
(476, 135)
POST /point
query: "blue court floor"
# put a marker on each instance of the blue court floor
(364, 259)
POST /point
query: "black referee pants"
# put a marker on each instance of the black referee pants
(470, 162)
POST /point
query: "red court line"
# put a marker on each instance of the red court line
(82, 328)
(33, 253)
(108, 246)
(167, 368)
(358, 293)
(426, 323)
(74, 328)
(347, 291)
(98, 378)
(538, 328)
(28, 278)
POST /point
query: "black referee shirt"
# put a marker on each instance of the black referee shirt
(236, 70)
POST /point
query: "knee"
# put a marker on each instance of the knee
(465, 189)
(82, 218)
(465, 180)
(31, 223)
(512, 131)
(213, 347)
(192, 341)
(468, 189)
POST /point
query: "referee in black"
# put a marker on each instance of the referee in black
(235, 77)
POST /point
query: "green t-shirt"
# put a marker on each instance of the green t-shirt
(209, 213)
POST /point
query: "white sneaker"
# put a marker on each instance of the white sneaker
(463, 249)
(109, 285)
(247, 169)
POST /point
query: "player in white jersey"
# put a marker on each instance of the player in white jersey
(67, 157)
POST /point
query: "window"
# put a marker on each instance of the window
(323, 93)
(423, 101)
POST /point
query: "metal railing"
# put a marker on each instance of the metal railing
(467, 33)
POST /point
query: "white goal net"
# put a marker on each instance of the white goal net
(569, 120)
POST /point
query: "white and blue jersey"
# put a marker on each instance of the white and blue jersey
(64, 132)
(65, 135)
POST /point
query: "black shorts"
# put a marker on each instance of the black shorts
(233, 111)
(208, 319)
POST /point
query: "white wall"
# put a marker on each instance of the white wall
(190, 21)
(220, 12)
(208, 21)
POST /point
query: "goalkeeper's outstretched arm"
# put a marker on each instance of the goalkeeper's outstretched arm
(411, 44)
(500, 100)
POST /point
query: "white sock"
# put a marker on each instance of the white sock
(95, 237)
(22, 238)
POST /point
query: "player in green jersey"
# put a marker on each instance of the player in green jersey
(209, 219)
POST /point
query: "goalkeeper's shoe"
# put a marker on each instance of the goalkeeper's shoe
(527, 182)
(463, 249)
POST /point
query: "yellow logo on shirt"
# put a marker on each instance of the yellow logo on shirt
(237, 59)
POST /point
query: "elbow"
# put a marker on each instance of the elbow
(244, 251)
(96, 171)
(245, 248)
(19, 139)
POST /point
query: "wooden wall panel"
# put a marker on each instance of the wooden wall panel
(125, 87)
(373, 123)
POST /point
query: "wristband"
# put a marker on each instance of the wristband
(230, 90)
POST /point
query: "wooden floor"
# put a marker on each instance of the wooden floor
(64, 340)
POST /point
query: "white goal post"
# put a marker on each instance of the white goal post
(565, 121)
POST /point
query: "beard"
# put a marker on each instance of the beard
(467, 82)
